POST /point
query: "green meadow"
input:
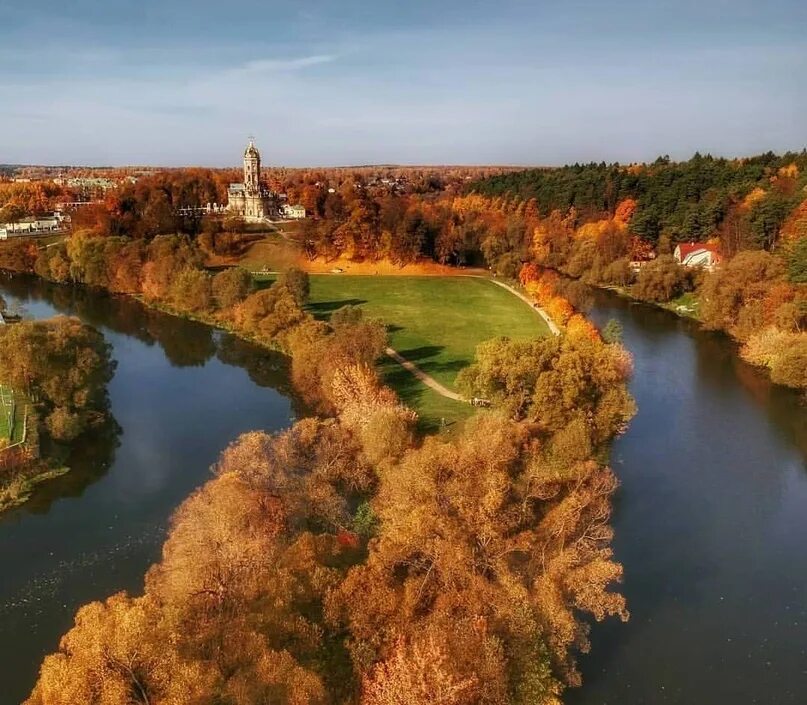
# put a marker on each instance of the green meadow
(436, 322)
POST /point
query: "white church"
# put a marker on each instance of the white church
(252, 200)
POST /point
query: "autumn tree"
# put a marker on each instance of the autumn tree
(661, 279)
(270, 314)
(231, 286)
(733, 295)
(554, 381)
(191, 291)
(298, 283)
(166, 256)
(418, 674)
(64, 366)
(119, 651)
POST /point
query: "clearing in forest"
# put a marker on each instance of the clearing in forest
(435, 322)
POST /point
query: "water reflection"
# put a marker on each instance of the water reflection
(89, 458)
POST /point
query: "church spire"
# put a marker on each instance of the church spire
(252, 168)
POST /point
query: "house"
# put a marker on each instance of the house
(697, 254)
(294, 212)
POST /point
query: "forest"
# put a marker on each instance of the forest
(606, 224)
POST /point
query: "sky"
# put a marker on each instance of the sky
(541, 82)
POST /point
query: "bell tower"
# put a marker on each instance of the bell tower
(252, 168)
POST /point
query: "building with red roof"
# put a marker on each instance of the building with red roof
(697, 254)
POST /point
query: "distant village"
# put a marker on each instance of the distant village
(250, 199)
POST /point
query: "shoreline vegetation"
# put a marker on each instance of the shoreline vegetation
(58, 369)
(308, 569)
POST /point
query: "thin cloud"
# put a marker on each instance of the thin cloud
(269, 65)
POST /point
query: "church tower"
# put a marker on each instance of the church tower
(251, 200)
(252, 169)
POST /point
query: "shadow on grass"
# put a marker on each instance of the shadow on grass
(424, 352)
(423, 358)
(324, 309)
(262, 283)
(410, 391)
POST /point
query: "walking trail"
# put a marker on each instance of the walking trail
(432, 383)
(428, 380)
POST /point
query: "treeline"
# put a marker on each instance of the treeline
(758, 297)
(167, 272)
(589, 222)
(352, 219)
(21, 199)
(677, 201)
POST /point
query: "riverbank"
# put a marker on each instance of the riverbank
(21, 467)
(179, 395)
(427, 319)
(19, 489)
(58, 369)
(782, 355)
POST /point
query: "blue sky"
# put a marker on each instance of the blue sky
(176, 82)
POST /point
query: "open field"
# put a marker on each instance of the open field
(435, 322)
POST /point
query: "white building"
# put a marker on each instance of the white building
(32, 226)
(697, 254)
(294, 212)
(251, 200)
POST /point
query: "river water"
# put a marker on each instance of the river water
(711, 527)
(711, 518)
(181, 392)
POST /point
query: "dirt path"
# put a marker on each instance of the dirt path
(543, 314)
(428, 380)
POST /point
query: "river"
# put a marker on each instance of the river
(711, 517)
(181, 392)
(711, 527)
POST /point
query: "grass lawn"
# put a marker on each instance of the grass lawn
(687, 305)
(11, 421)
(273, 252)
(436, 322)
(433, 408)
